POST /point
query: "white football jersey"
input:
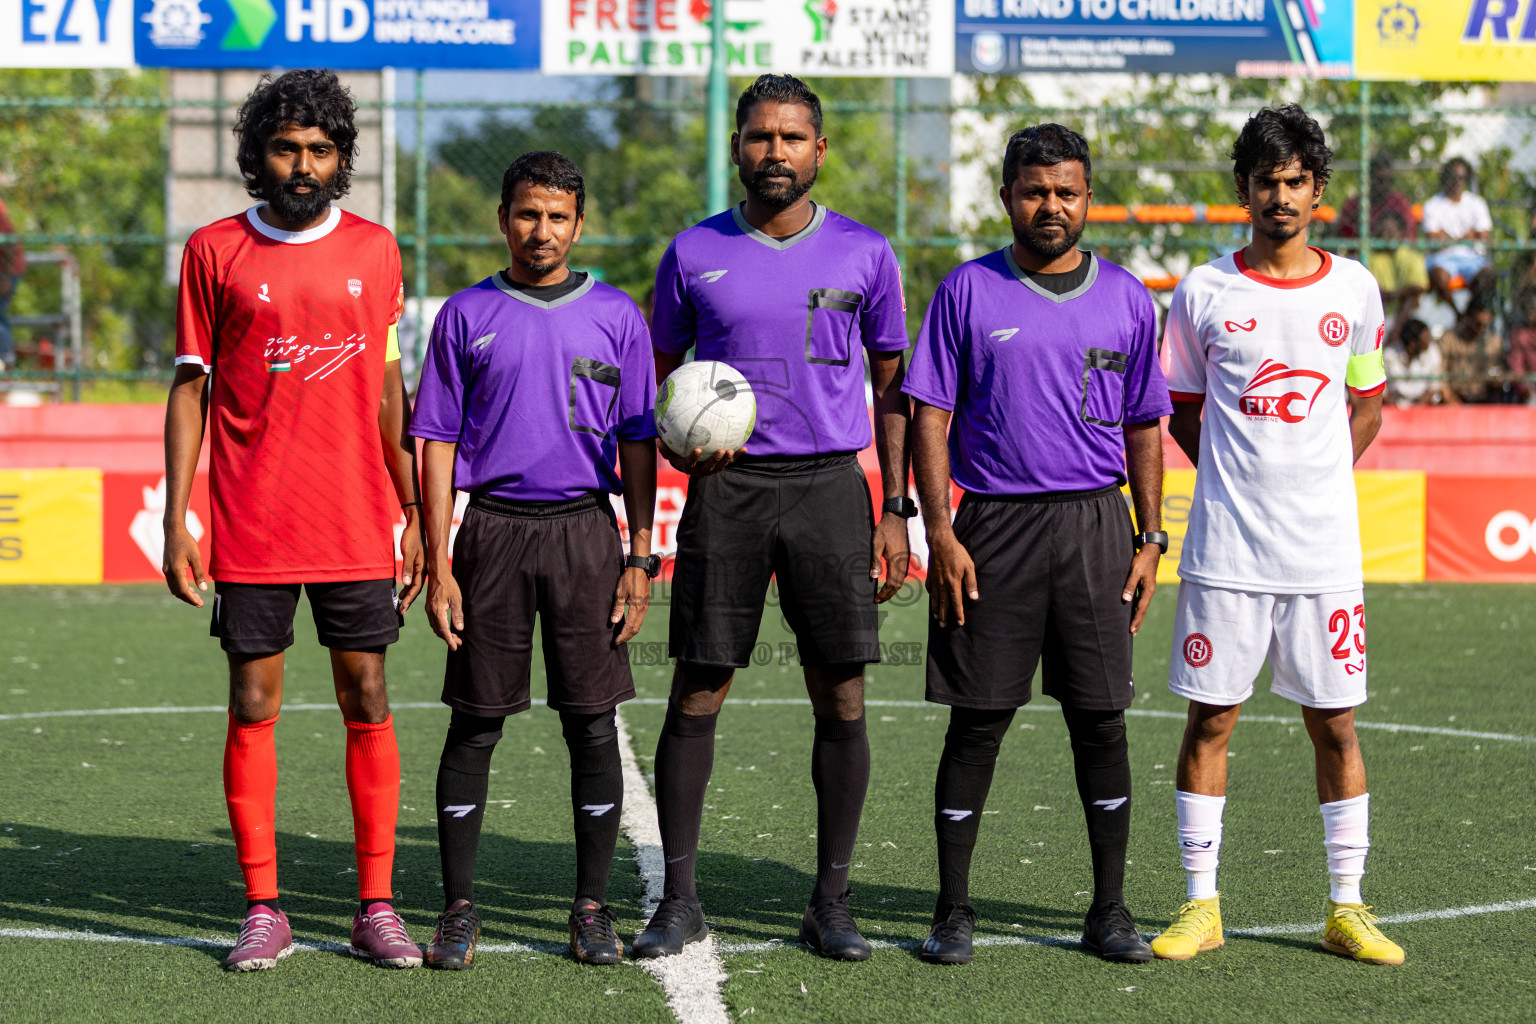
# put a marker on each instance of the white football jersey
(1274, 503)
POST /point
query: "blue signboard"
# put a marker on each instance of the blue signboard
(1249, 38)
(343, 34)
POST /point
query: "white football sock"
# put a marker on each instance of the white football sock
(1346, 827)
(1200, 840)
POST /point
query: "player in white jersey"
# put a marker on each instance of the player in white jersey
(1277, 343)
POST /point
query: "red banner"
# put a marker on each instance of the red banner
(132, 511)
(1481, 529)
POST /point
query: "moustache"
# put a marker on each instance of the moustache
(776, 170)
(1270, 211)
(301, 181)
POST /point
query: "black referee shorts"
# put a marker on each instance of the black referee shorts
(257, 618)
(1050, 569)
(807, 521)
(560, 561)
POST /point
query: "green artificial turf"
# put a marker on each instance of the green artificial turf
(116, 824)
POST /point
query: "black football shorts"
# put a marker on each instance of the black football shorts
(257, 618)
(809, 522)
(1050, 570)
(560, 561)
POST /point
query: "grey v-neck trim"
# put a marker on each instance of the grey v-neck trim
(780, 243)
(1045, 293)
(507, 289)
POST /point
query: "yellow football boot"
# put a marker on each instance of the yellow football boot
(1352, 932)
(1196, 928)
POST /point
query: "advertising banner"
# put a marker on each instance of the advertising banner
(1481, 529)
(871, 38)
(1446, 40)
(339, 34)
(1247, 38)
(66, 33)
(50, 526)
(133, 537)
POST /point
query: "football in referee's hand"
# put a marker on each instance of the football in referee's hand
(705, 404)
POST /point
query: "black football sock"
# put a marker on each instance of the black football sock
(840, 772)
(1102, 761)
(597, 797)
(270, 904)
(685, 755)
(965, 775)
(463, 779)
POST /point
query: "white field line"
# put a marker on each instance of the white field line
(685, 1011)
(694, 978)
(1431, 730)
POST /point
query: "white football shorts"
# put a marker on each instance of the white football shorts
(1315, 644)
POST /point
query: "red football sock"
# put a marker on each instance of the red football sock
(250, 791)
(373, 782)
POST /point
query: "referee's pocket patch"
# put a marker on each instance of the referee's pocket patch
(1104, 387)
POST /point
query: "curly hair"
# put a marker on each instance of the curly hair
(547, 168)
(1045, 145)
(779, 89)
(1273, 138)
(307, 98)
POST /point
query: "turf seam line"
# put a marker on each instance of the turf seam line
(559, 949)
(1432, 730)
(693, 979)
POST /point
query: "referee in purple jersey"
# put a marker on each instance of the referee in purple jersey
(535, 380)
(1040, 362)
(794, 296)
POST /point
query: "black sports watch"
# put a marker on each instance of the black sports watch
(650, 563)
(1158, 537)
(903, 506)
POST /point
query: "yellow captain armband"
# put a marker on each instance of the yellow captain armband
(1366, 372)
(392, 346)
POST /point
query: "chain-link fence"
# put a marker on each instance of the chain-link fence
(104, 174)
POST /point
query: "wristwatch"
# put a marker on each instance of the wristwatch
(903, 506)
(650, 563)
(1157, 537)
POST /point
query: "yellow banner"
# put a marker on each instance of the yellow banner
(1391, 522)
(1446, 40)
(50, 526)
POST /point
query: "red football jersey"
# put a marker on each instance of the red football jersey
(296, 327)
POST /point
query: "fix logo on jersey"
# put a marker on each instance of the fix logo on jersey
(1282, 407)
(711, 276)
(1004, 334)
(262, 295)
(1334, 329)
(1233, 326)
(1197, 650)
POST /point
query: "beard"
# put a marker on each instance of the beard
(1027, 236)
(1281, 232)
(302, 208)
(774, 195)
(540, 267)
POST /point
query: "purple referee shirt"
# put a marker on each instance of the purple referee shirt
(1040, 384)
(790, 314)
(537, 394)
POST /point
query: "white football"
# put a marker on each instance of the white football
(705, 404)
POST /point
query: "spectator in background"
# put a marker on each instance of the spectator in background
(1385, 201)
(1472, 353)
(1522, 347)
(1457, 214)
(1399, 269)
(1409, 354)
(13, 260)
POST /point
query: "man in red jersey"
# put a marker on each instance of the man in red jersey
(290, 309)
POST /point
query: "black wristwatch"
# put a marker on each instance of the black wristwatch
(903, 506)
(1157, 537)
(650, 563)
